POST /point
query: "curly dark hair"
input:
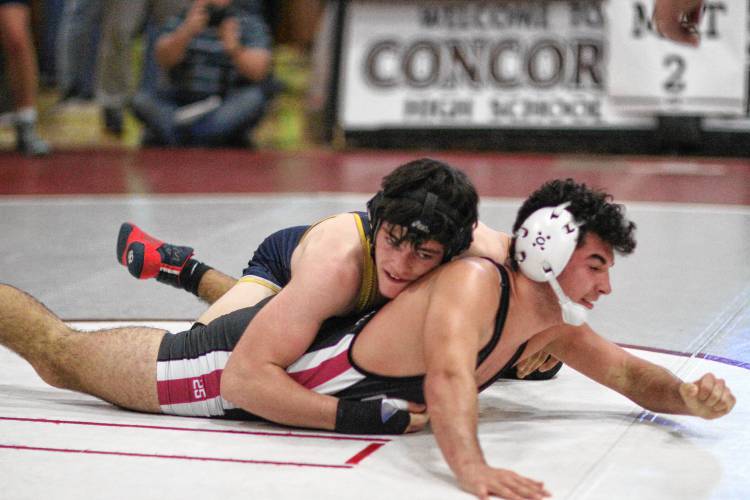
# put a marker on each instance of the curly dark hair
(433, 196)
(591, 207)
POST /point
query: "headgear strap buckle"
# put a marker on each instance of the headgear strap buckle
(430, 201)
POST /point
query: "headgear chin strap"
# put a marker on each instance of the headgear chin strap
(572, 313)
(544, 244)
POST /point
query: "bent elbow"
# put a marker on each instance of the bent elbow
(247, 385)
(228, 385)
(236, 383)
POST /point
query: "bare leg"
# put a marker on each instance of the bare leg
(20, 56)
(214, 284)
(20, 60)
(242, 294)
(117, 365)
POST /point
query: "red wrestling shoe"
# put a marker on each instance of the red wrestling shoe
(146, 257)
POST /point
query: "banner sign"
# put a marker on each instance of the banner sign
(649, 74)
(462, 64)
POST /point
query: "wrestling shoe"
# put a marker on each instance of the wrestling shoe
(146, 257)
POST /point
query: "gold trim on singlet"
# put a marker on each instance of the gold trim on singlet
(260, 281)
(368, 289)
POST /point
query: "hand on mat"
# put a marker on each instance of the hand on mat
(418, 417)
(708, 397)
(678, 20)
(483, 481)
(541, 361)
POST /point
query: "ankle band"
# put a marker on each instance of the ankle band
(191, 275)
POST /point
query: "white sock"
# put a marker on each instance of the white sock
(26, 116)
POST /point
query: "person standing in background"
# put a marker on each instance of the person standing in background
(75, 54)
(23, 73)
(123, 20)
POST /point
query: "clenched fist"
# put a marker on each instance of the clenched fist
(708, 397)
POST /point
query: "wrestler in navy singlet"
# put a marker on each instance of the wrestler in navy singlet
(190, 363)
(271, 265)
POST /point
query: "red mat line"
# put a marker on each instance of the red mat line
(369, 450)
(187, 429)
(175, 457)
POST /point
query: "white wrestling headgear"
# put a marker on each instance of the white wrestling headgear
(544, 244)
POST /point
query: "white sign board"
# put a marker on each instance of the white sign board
(463, 64)
(649, 74)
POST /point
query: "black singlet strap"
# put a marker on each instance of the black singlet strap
(502, 313)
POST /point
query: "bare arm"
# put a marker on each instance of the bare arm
(488, 243)
(171, 48)
(678, 20)
(458, 320)
(325, 281)
(255, 377)
(645, 383)
(252, 63)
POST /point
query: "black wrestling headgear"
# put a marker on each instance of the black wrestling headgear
(432, 201)
(426, 217)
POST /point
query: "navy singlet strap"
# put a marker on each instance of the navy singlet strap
(365, 223)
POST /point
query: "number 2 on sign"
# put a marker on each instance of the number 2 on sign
(676, 65)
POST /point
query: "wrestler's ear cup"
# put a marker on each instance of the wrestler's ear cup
(544, 244)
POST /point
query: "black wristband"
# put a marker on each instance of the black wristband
(365, 417)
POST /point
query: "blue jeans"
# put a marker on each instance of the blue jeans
(240, 109)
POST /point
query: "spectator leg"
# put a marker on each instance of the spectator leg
(20, 55)
(122, 20)
(74, 50)
(238, 112)
(157, 114)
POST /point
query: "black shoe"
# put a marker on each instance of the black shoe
(113, 120)
(68, 96)
(150, 139)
